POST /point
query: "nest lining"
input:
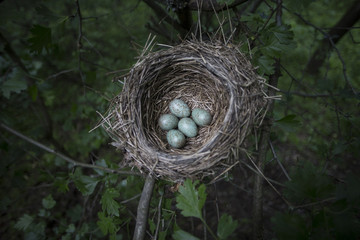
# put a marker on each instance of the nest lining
(205, 75)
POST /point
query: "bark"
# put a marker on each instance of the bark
(350, 17)
(143, 209)
(257, 211)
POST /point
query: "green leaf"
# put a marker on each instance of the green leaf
(190, 200)
(266, 65)
(109, 205)
(152, 226)
(16, 83)
(226, 226)
(40, 38)
(106, 224)
(24, 222)
(85, 184)
(33, 92)
(308, 183)
(288, 123)
(48, 202)
(290, 226)
(182, 235)
(71, 228)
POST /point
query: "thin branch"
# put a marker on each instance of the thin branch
(143, 208)
(130, 199)
(60, 73)
(79, 40)
(158, 217)
(277, 159)
(64, 157)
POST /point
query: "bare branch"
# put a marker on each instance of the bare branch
(143, 208)
(64, 157)
(277, 159)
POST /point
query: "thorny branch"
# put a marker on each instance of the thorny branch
(64, 157)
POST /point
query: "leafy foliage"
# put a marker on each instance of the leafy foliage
(48, 202)
(40, 38)
(182, 235)
(109, 204)
(24, 222)
(191, 200)
(226, 226)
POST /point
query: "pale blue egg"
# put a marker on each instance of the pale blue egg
(188, 127)
(175, 138)
(168, 121)
(201, 117)
(179, 108)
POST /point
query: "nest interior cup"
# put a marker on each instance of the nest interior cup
(210, 76)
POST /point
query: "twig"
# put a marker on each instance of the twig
(60, 73)
(277, 159)
(64, 157)
(79, 41)
(159, 217)
(143, 208)
(130, 199)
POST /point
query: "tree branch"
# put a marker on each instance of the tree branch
(257, 214)
(64, 157)
(333, 36)
(79, 40)
(143, 208)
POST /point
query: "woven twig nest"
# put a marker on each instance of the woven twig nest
(211, 76)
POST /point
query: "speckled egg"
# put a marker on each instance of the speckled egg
(201, 116)
(175, 138)
(188, 127)
(168, 121)
(179, 108)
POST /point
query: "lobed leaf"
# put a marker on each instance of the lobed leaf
(190, 200)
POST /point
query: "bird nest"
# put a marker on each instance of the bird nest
(212, 76)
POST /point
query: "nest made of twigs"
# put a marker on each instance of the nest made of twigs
(212, 76)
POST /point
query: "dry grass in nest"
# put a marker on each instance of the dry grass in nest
(212, 76)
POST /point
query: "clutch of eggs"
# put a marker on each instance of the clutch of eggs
(186, 126)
